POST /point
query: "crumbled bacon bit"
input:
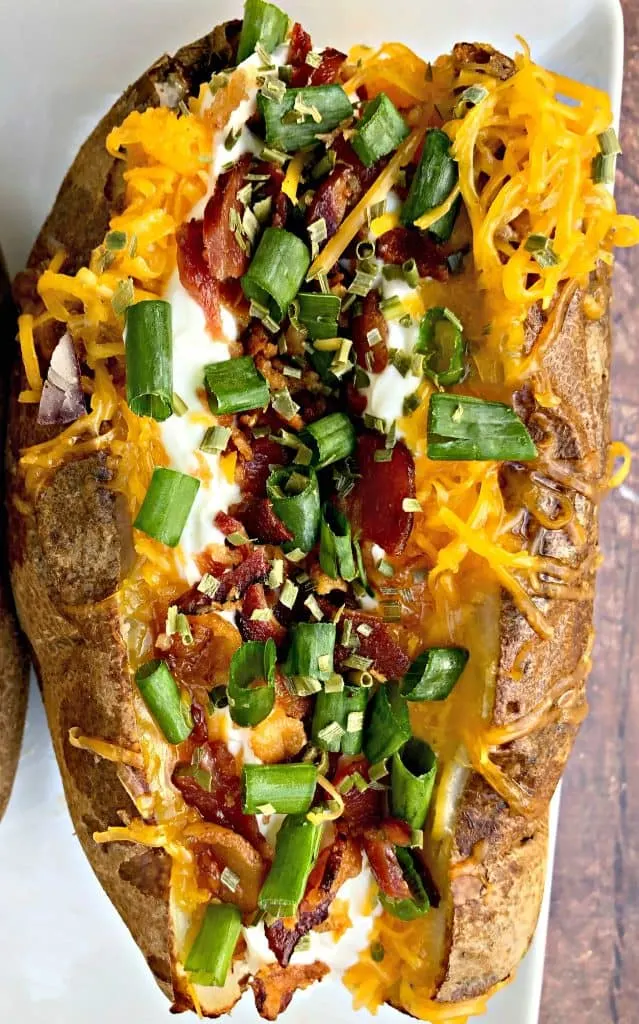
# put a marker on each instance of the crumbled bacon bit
(227, 524)
(292, 705)
(200, 732)
(274, 987)
(357, 401)
(385, 865)
(234, 582)
(377, 499)
(224, 255)
(362, 810)
(254, 472)
(334, 197)
(305, 74)
(370, 319)
(260, 522)
(194, 272)
(204, 662)
(401, 244)
(256, 629)
(281, 209)
(380, 645)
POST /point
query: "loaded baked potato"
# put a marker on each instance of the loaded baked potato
(13, 659)
(307, 438)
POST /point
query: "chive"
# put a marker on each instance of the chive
(149, 359)
(230, 880)
(609, 142)
(461, 427)
(123, 296)
(311, 643)
(336, 551)
(377, 952)
(208, 585)
(167, 505)
(296, 849)
(210, 956)
(356, 703)
(441, 341)
(235, 385)
(276, 271)
(435, 178)
(388, 725)
(115, 241)
(289, 594)
(263, 24)
(193, 771)
(284, 405)
(304, 686)
(541, 248)
(215, 440)
(408, 910)
(161, 695)
(324, 166)
(330, 439)
(330, 102)
(434, 673)
(253, 663)
(288, 788)
(294, 493)
(410, 273)
(412, 782)
(470, 97)
(380, 130)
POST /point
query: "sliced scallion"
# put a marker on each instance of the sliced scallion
(294, 493)
(434, 673)
(276, 271)
(290, 133)
(380, 130)
(464, 428)
(336, 549)
(251, 688)
(235, 385)
(311, 650)
(167, 505)
(330, 439)
(210, 956)
(149, 359)
(441, 342)
(388, 725)
(435, 178)
(263, 24)
(408, 910)
(161, 695)
(296, 849)
(338, 719)
(288, 788)
(412, 781)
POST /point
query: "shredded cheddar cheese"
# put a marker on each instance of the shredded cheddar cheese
(107, 751)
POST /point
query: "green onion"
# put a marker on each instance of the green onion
(235, 385)
(288, 595)
(149, 359)
(215, 440)
(356, 701)
(219, 697)
(251, 686)
(408, 910)
(319, 314)
(312, 646)
(388, 725)
(435, 178)
(193, 771)
(276, 272)
(609, 142)
(441, 341)
(461, 427)
(412, 782)
(263, 23)
(211, 954)
(604, 167)
(336, 550)
(161, 695)
(434, 673)
(294, 493)
(330, 439)
(541, 248)
(115, 241)
(338, 719)
(330, 102)
(470, 97)
(296, 849)
(167, 505)
(380, 130)
(288, 788)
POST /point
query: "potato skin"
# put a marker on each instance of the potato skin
(14, 666)
(72, 621)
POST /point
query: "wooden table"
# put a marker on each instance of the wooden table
(592, 962)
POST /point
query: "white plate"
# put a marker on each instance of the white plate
(65, 956)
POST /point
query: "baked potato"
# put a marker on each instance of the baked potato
(13, 658)
(307, 438)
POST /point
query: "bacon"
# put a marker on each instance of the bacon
(257, 341)
(346, 155)
(260, 521)
(254, 472)
(300, 46)
(402, 244)
(371, 319)
(274, 987)
(385, 865)
(223, 804)
(335, 865)
(224, 255)
(200, 732)
(380, 645)
(397, 832)
(376, 501)
(293, 706)
(362, 810)
(234, 582)
(337, 193)
(227, 524)
(194, 272)
(306, 74)
(254, 629)
(205, 661)
(281, 209)
(357, 401)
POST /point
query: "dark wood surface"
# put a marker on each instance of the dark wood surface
(592, 962)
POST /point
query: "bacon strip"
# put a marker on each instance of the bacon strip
(385, 865)
(254, 472)
(254, 629)
(376, 501)
(402, 244)
(334, 197)
(261, 523)
(386, 653)
(224, 255)
(370, 319)
(195, 274)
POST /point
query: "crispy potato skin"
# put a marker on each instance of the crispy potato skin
(13, 656)
(71, 619)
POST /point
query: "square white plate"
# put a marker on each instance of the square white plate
(65, 956)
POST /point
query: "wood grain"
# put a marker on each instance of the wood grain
(592, 962)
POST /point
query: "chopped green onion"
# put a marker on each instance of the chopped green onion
(284, 405)
(167, 505)
(410, 273)
(296, 849)
(470, 97)
(210, 956)
(288, 788)
(149, 359)
(276, 271)
(304, 686)
(435, 178)
(541, 248)
(388, 725)
(215, 440)
(334, 684)
(412, 782)
(294, 493)
(377, 952)
(194, 771)
(115, 241)
(230, 880)
(263, 24)
(329, 737)
(251, 686)
(235, 385)
(380, 130)
(604, 167)
(313, 607)
(123, 296)
(289, 594)
(434, 673)
(336, 551)
(461, 427)
(312, 643)
(355, 709)
(411, 505)
(161, 695)
(330, 102)
(319, 314)
(317, 233)
(408, 910)
(609, 142)
(330, 729)
(330, 439)
(219, 697)
(441, 341)
(179, 405)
